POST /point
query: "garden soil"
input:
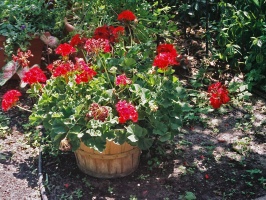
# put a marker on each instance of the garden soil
(223, 158)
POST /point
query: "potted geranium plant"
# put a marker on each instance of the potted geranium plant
(115, 94)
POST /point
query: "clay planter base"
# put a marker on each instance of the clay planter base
(69, 28)
(36, 47)
(2, 52)
(115, 161)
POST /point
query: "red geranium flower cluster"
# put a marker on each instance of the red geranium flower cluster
(86, 73)
(126, 15)
(122, 80)
(34, 75)
(65, 49)
(166, 56)
(126, 112)
(98, 112)
(60, 68)
(76, 40)
(166, 48)
(22, 58)
(94, 46)
(219, 95)
(9, 99)
(110, 33)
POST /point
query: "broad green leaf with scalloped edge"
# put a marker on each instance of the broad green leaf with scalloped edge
(145, 143)
(165, 137)
(136, 130)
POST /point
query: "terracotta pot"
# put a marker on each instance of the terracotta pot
(69, 28)
(36, 47)
(115, 161)
(2, 51)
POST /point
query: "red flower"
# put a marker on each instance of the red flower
(76, 40)
(122, 80)
(126, 15)
(80, 64)
(65, 49)
(215, 101)
(96, 46)
(108, 32)
(167, 48)
(9, 99)
(102, 32)
(207, 176)
(219, 95)
(85, 72)
(163, 60)
(85, 76)
(60, 68)
(119, 30)
(34, 75)
(50, 67)
(126, 112)
(22, 58)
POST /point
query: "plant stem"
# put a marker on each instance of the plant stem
(106, 72)
(123, 89)
(24, 109)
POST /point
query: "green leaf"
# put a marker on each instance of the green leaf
(145, 143)
(133, 138)
(120, 136)
(58, 138)
(166, 102)
(128, 62)
(109, 134)
(175, 79)
(190, 196)
(75, 129)
(74, 141)
(160, 128)
(256, 2)
(179, 90)
(259, 58)
(99, 144)
(79, 109)
(152, 80)
(136, 130)
(58, 128)
(175, 126)
(135, 88)
(96, 143)
(165, 137)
